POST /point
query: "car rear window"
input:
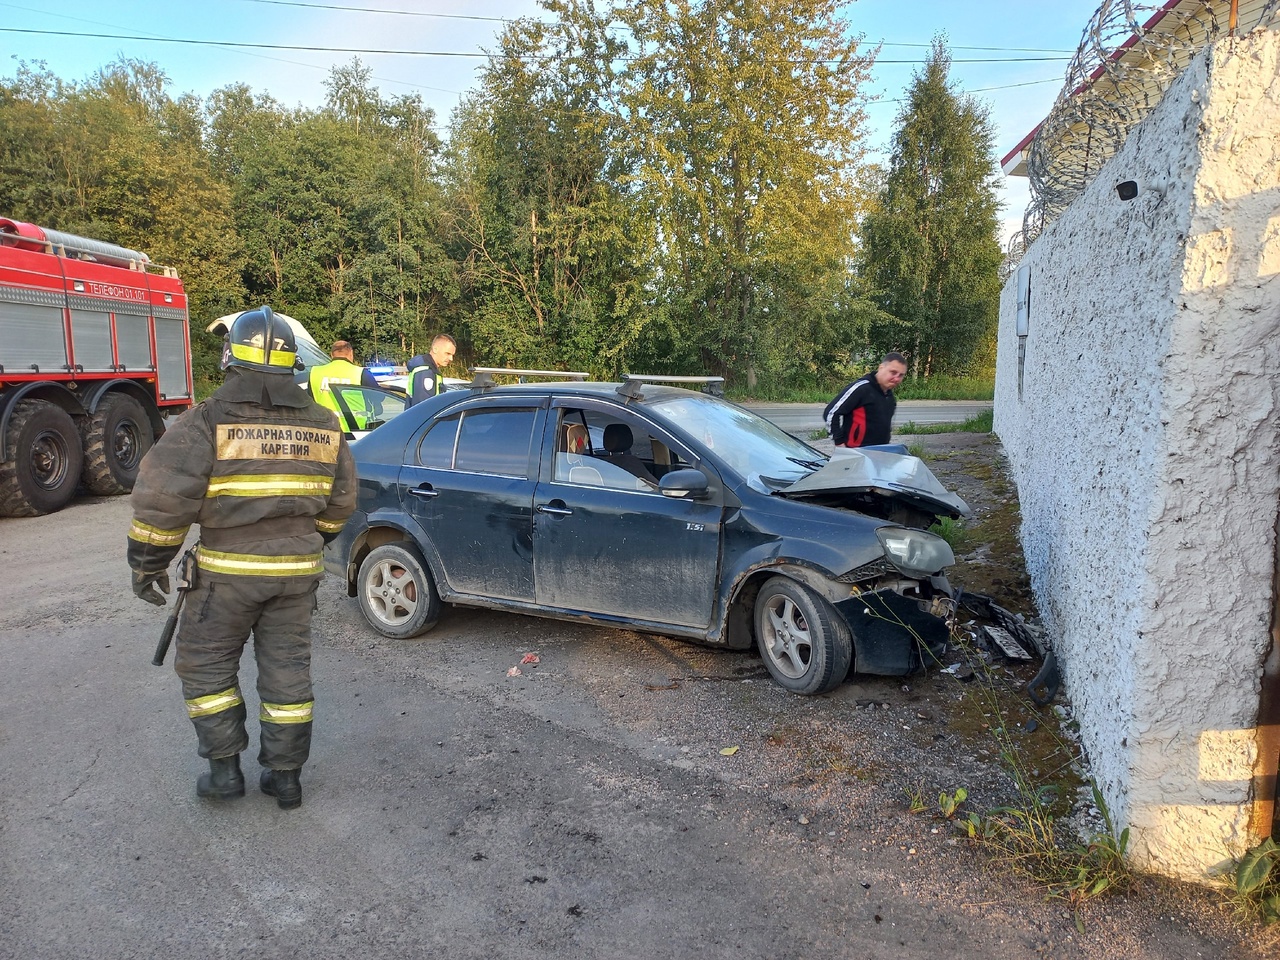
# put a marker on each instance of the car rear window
(495, 441)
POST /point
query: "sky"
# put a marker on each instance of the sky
(1018, 50)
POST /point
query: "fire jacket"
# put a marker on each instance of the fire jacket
(263, 469)
(861, 415)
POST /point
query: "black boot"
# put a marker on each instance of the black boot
(284, 786)
(224, 781)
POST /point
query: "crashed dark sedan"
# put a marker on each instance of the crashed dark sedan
(651, 507)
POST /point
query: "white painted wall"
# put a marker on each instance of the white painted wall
(1145, 445)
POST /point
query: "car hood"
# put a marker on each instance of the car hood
(890, 475)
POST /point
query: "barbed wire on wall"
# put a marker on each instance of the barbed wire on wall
(1129, 55)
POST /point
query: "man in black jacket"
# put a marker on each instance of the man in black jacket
(425, 378)
(861, 415)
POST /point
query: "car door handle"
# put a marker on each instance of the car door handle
(425, 492)
(556, 511)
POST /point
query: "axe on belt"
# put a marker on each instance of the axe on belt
(186, 580)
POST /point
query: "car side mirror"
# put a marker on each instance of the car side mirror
(687, 484)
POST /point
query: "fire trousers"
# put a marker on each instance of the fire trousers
(217, 621)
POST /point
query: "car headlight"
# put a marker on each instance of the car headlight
(915, 552)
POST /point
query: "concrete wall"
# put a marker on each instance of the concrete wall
(1142, 433)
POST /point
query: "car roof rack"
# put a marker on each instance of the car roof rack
(632, 383)
(483, 379)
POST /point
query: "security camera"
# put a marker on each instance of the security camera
(1127, 189)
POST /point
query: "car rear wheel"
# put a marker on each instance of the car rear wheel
(397, 593)
(805, 645)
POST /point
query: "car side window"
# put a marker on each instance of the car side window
(495, 441)
(597, 450)
(436, 449)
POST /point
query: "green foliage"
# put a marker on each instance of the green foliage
(812, 387)
(686, 200)
(746, 127)
(949, 803)
(981, 423)
(915, 798)
(943, 387)
(949, 530)
(930, 249)
(551, 246)
(1257, 882)
(116, 159)
(1025, 838)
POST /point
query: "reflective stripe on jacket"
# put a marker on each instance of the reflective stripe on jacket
(260, 467)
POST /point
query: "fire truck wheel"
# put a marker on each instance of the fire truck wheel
(45, 470)
(115, 439)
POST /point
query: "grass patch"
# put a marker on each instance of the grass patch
(933, 388)
(951, 531)
(947, 388)
(1024, 835)
(976, 424)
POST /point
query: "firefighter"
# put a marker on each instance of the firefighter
(425, 378)
(266, 473)
(341, 369)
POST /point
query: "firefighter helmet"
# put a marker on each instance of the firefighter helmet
(259, 340)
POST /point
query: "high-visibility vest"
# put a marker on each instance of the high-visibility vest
(338, 371)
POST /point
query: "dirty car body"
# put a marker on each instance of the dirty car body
(656, 508)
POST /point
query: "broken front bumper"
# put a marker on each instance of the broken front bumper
(896, 633)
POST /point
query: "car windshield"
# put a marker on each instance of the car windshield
(748, 443)
(311, 355)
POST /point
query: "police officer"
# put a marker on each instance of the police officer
(425, 378)
(341, 369)
(266, 473)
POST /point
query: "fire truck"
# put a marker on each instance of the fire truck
(95, 352)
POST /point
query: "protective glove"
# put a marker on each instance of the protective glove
(144, 586)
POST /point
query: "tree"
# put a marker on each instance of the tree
(116, 159)
(748, 137)
(338, 210)
(930, 247)
(552, 245)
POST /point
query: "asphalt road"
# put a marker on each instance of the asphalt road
(802, 418)
(448, 811)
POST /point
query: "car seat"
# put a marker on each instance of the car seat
(617, 444)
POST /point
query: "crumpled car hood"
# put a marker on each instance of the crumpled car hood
(890, 475)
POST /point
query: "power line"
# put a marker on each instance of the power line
(239, 44)
(398, 13)
(401, 53)
(457, 16)
(1003, 86)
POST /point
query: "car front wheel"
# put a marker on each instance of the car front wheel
(397, 594)
(805, 645)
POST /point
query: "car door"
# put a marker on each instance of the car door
(362, 409)
(469, 484)
(606, 542)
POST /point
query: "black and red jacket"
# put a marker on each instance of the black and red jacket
(861, 415)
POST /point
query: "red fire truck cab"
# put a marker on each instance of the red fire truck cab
(95, 351)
